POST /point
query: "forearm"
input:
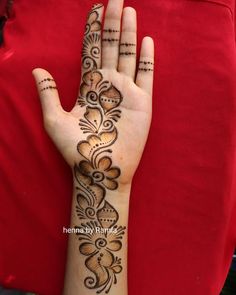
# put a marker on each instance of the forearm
(97, 253)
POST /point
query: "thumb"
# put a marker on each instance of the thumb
(48, 93)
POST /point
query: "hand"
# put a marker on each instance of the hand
(112, 115)
(102, 138)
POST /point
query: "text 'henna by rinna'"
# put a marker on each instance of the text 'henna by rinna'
(100, 234)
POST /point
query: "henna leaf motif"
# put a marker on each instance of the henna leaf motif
(93, 120)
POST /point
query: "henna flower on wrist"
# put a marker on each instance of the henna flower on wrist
(104, 174)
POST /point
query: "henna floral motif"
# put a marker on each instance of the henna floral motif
(104, 174)
(95, 174)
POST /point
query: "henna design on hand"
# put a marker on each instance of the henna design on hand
(91, 49)
(111, 31)
(146, 66)
(146, 62)
(99, 246)
(128, 44)
(48, 87)
(93, 24)
(51, 87)
(110, 40)
(124, 46)
(46, 80)
(145, 70)
(127, 53)
(96, 174)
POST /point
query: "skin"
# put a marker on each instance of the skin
(116, 64)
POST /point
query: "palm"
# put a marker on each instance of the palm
(110, 102)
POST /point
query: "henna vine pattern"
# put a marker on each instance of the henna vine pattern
(95, 174)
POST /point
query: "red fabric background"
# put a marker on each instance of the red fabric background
(182, 216)
(2, 7)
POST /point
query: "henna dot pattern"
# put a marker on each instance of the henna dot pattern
(146, 66)
(46, 80)
(127, 44)
(110, 40)
(48, 88)
(110, 31)
(127, 53)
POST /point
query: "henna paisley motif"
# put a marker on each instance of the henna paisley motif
(99, 246)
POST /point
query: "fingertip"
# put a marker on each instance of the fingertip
(38, 69)
(40, 74)
(99, 8)
(148, 39)
(148, 42)
(129, 10)
(129, 20)
(147, 48)
(114, 9)
(97, 5)
(35, 71)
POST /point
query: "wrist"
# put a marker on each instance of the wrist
(118, 198)
(120, 194)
